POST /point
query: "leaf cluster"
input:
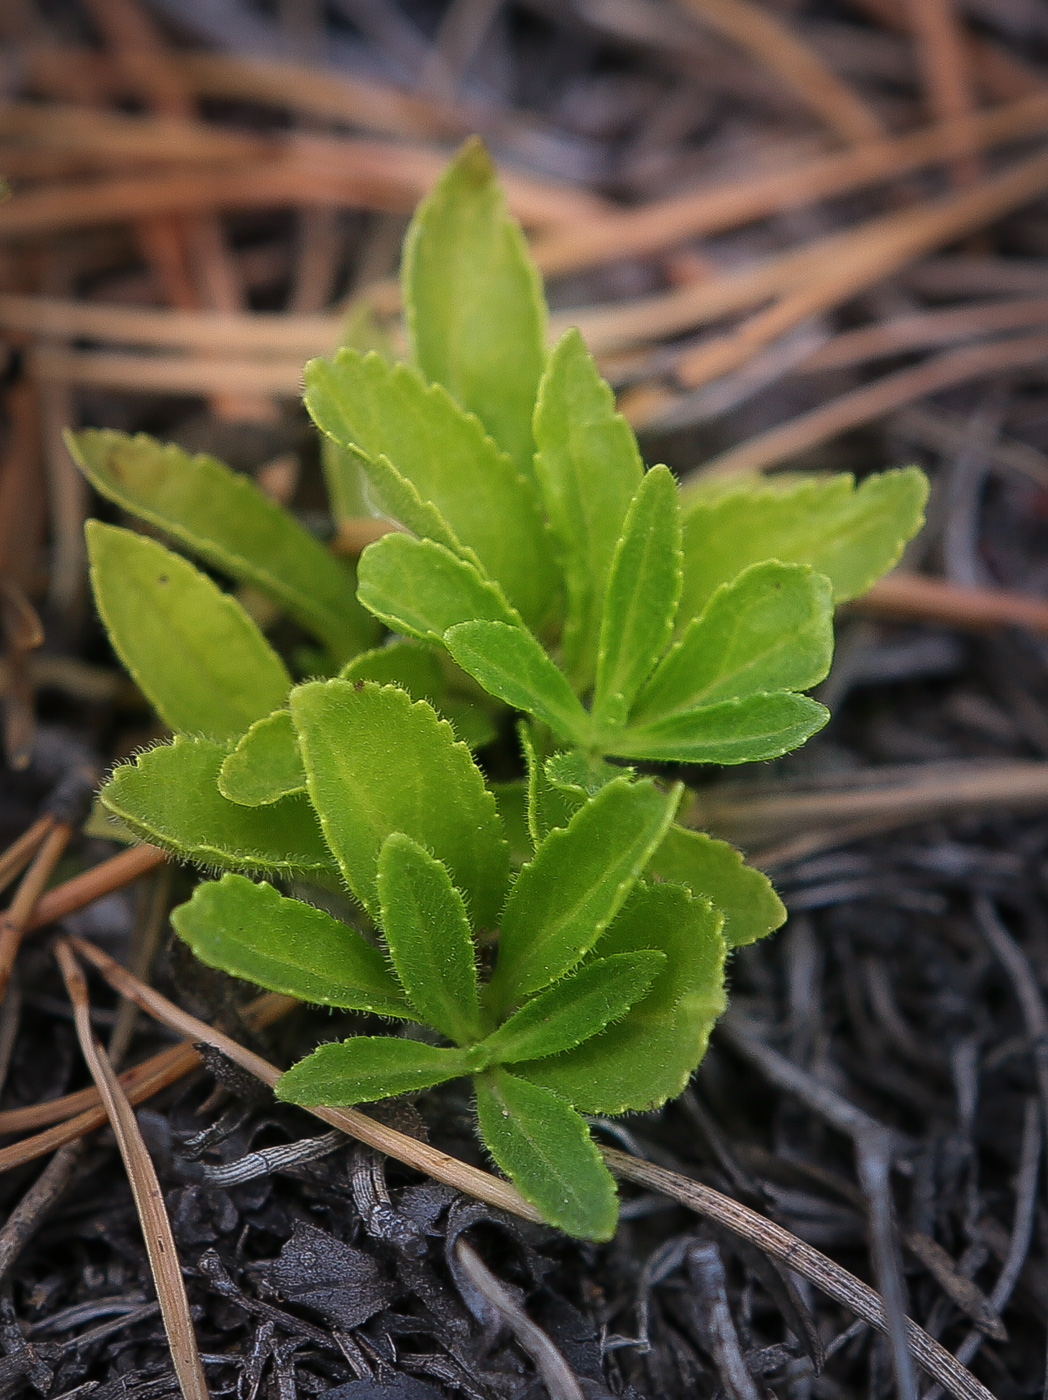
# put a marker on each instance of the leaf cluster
(559, 938)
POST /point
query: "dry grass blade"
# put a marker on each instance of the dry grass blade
(820, 1270)
(767, 39)
(874, 400)
(823, 1272)
(149, 1201)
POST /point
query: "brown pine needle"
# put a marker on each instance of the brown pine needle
(16, 920)
(104, 878)
(18, 855)
(149, 1200)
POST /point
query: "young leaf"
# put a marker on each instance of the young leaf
(581, 775)
(716, 871)
(735, 731)
(577, 883)
(640, 601)
(771, 629)
(511, 664)
(474, 302)
(265, 765)
(574, 1008)
(545, 1148)
(420, 588)
(288, 946)
(588, 469)
(648, 1056)
(548, 806)
(511, 798)
(388, 411)
(192, 649)
(223, 517)
(411, 665)
(850, 533)
(170, 796)
(378, 763)
(368, 1067)
(425, 925)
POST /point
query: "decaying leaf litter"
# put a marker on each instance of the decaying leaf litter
(928, 1068)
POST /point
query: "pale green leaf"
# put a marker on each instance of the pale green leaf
(640, 601)
(771, 629)
(425, 926)
(366, 1068)
(581, 775)
(192, 649)
(588, 469)
(545, 1148)
(735, 731)
(474, 301)
(223, 517)
(388, 411)
(421, 588)
(547, 805)
(288, 946)
(265, 765)
(413, 666)
(574, 1008)
(852, 534)
(648, 1056)
(510, 663)
(715, 870)
(169, 795)
(578, 881)
(378, 763)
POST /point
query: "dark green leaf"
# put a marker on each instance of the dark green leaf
(574, 1008)
(579, 880)
(366, 1068)
(253, 932)
(510, 663)
(640, 601)
(648, 1056)
(850, 533)
(735, 731)
(588, 469)
(425, 925)
(422, 589)
(378, 763)
(265, 765)
(545, 1148)
(223, 517)
(474, 301)
(771, 629)
(192, 648)
(716, 871)
(170, 796)
(388, 411)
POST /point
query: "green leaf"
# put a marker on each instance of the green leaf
(850, 533)
(648, 1056)
(548, 806)
(265, 765)
(716, 871)
(511, 798)
(580, 878)
(510, 663)
(411, 665)
(422, 588)
(367, 1068)
(640, 601)
(253, 932)
(771, 629)
(425, 926)
(192, 649)
(588, 469)
(735, 731)
(388, 411)
(474, 301)
(574, 1008)
(170, 796)
(582, 775)
(545, 1148)
(223, 517)
(378, 763)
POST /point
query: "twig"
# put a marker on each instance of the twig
(20, 852)
(557, 1375)
(706, 1272)
(925, 599)
(149, 1201)
(27, 1215)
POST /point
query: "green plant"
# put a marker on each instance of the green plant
(539, 567)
